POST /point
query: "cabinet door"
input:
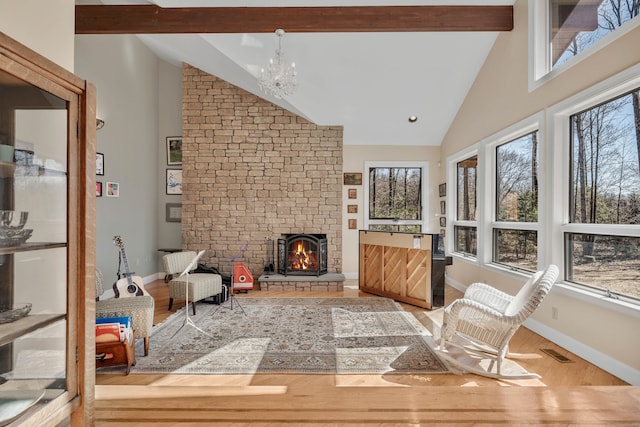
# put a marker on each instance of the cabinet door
(45, 191)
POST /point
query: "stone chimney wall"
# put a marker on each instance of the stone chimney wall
(253, 171)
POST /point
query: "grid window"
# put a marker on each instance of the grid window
(395, 198)
(604, 196)
(517, 202)
(465, 228)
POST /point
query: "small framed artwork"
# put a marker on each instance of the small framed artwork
(113, 189)
(353, 193)
(442, 189)
(352, 208)
(174, 181)
(98, 189)
(443, 207)
(442, 231)
(99, 164)
(443, 221)
(353, 224)
(174, 150)
(173, 212)
(353, 178)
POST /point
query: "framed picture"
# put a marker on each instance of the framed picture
(353, 193)
(353, 179)
(443, 221)
(174, 150)
(443, 207)
(442, 231)
(174, 181)
(442, 189)
(353, 224)
(173, 212)
(352, 208)
(113, 189)
(99, 164)
(98, 189)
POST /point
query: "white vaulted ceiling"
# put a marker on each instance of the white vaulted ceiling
(368, 82)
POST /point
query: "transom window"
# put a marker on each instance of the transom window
(561, 32)
(578, 24)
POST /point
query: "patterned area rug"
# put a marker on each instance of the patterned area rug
(294, 335)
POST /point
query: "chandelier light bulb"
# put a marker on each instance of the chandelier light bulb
(279, 78)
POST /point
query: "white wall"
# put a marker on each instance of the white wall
(46, 26)
(170, 124)
(125, 73)
(602, 332)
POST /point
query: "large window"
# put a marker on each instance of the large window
(605, 196)
(560, 187)
(395, 198)
(465, 228)
(515, 241)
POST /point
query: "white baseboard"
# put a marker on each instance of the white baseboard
(601, 360)
(454, 284)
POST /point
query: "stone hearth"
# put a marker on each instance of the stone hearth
(330, 282)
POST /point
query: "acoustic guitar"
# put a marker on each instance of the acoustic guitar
(129, 286)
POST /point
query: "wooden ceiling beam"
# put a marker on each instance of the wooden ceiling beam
(151, 19)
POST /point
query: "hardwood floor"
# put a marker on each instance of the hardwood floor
(575, 393)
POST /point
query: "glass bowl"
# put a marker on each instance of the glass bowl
(13, 220)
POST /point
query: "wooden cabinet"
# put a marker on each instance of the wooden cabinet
(407, 267)
(47, 254)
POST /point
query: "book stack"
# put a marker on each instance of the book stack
(113, 329)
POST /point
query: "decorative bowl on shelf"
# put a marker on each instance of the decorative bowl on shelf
(9, 237)
(13, 220)
(17, 311)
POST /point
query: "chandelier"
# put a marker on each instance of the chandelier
(278, 78)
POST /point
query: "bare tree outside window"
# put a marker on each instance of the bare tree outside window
(576, 25)
(517, 201)
(605, 189)
(395, 198)
(466, 206)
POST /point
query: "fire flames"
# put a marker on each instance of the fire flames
(300, 259)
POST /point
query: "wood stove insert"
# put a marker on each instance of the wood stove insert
(302, 254)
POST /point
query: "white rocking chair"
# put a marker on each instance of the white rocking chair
(486, 319)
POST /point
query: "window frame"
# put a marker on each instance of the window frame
(540, 69)
(424, 166)
(452, 201)
(518, 130)
(559, 156)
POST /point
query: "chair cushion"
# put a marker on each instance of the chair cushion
(524, 295)
(176, 262)
(201, 285)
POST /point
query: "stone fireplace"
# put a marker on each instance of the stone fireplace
(252, 172)
(302, 254)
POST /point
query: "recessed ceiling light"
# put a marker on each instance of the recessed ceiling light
(413, 119)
